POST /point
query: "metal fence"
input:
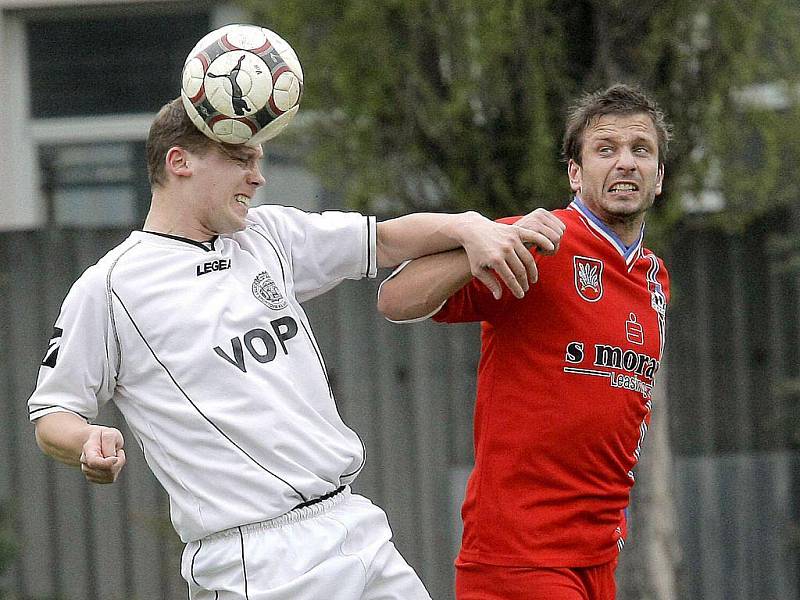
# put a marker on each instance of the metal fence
(408, 390)
(733, 348)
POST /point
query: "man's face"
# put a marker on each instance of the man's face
(620, 176)
(226, 179)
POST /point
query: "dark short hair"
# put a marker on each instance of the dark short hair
(619, 99)
(172, 127)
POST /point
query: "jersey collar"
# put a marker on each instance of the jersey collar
(629, 253)
(208, 245)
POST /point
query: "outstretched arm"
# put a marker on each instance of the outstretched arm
(425, 283)
(69, 439)
(488, 246)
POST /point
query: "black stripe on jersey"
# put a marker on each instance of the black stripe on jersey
(208, 245)
(110, 302)
(318, 352)
(51, 355)
(369, 248)
(363, 459)
(311, 340)
(308, 334)
(244, 564)
(275, 250)
(33, 412)
(185, 395)
(191, 569)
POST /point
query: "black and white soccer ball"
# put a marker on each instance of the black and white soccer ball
(242, 84)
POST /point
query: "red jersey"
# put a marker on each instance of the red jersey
(564, 399)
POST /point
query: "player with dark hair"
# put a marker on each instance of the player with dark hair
(194, 328)
(566, 373)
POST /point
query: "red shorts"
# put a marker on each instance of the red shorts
(475, 581)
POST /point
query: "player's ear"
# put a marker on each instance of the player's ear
(574, 171)
(659, 178)
(177, 162)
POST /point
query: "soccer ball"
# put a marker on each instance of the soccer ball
(242, 84)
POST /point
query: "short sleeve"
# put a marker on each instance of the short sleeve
(322, 248)
(473, 302)
(76, 373)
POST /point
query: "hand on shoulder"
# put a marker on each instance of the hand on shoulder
(500, 251)
(546, 227)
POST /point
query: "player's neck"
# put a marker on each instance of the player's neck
(163, 217)
(627, 230)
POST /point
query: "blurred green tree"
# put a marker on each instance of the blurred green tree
(420, 104)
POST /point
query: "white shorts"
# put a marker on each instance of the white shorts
(337, 549)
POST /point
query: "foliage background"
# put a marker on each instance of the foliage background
(426, 104)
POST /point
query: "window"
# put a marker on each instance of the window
(84, 83)
(95, 185)
(130, 64)
(95, 81)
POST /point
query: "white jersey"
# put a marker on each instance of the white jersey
(210, 358)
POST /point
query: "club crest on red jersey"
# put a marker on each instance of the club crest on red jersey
(588, 277)
(267, 292)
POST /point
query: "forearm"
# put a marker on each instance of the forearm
(423, 285)
(62, 436)
(494, 253)
(420, 234)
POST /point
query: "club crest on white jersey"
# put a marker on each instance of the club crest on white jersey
(267, 292)
(588, 277)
